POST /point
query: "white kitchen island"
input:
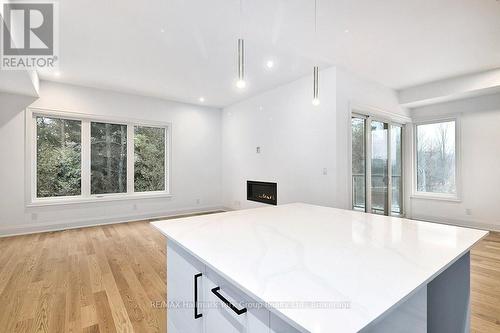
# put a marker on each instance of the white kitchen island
(304, 268)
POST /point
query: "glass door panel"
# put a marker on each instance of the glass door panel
(396, 170)
(379, 167)
(358, 164)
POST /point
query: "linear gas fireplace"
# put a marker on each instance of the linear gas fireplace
(262, 192)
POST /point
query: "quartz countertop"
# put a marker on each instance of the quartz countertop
(299, 253)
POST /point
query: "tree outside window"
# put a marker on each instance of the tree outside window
(436, 158)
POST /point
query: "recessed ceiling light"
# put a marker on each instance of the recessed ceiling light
(57, 74)
(270, 64)
(201, 99)
(346, 31)
(162, 30)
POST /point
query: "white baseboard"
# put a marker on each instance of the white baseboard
(24, 229)
(460, 223)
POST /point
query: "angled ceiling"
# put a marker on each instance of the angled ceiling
(184, 49)
(460, 87)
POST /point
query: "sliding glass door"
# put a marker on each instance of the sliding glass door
(376, 166)
(396, 169)
(359, 164)
(379, 169)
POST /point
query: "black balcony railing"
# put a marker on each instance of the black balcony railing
(379, 193)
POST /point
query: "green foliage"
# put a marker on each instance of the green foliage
(108, 158)
(58, 157)
(149, 164)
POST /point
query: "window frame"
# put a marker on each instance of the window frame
(167, 163)
(454, 197)
(376, 114)
(86, 197)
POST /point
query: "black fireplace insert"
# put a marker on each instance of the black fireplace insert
(264, 192)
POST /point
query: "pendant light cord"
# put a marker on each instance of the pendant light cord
(315, 37)
(315, 17)
(241, 18)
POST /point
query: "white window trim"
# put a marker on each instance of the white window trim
(86, 197)
(456, 197)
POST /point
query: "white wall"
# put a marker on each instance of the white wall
(297, 140)
(12, 163)
(196, 159)
(480, 127)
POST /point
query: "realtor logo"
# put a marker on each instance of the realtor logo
(29, 31)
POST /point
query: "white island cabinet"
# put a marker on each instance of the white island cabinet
(183, 288)
(190, 284)
(310, 269)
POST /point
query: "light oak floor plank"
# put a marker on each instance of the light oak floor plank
(485, 285)
(83, 280)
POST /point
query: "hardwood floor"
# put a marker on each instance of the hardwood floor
(112, 279)
(98, 279)
(485, 281)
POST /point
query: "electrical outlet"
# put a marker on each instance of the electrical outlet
(468, 211)
(197, 201)
(325, 171)
(257, 149)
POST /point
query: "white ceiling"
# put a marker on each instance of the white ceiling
(184, 49)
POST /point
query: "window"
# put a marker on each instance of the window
(108, 158)
(377, 164)
(436, 152)
(358, 164)
(397, 169)
(58, 157)
(78, 158)
(149, 159)
(379, 167)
